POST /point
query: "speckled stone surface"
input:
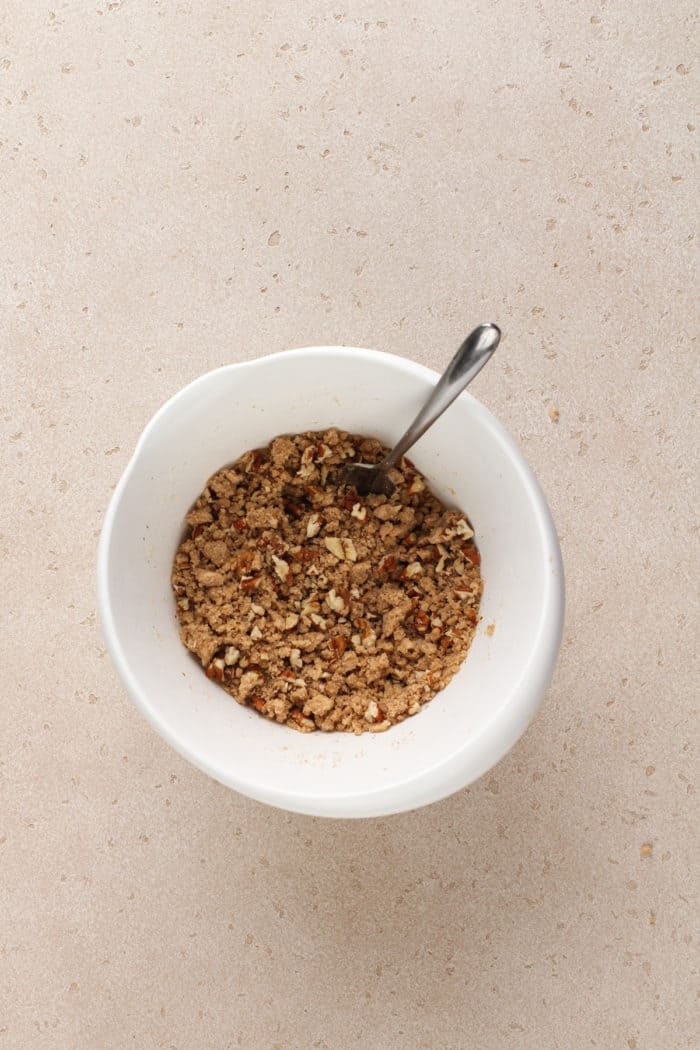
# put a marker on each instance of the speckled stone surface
(189, 184)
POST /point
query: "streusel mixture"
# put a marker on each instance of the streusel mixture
(321, 609)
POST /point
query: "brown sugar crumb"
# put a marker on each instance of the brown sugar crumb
(491, 629)
(319, 608)
(554, 414)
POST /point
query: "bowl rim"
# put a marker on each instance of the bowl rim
(486, 747)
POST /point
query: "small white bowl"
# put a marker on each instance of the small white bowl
(470, 461)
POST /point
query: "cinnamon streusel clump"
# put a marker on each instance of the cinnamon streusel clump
(319, 608)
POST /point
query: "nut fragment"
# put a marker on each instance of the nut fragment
(349, 551)
(338, 601)
(295, 659)
(341, 548)
(297, 719)
(470, 551)
(281, 567)
(448, 532)
(366, 637)
(307, 468)
(372, 711)
(334, 546)
(313, 525)
(231, 656)
(349, 499)
(338, 644)
(215, 670)
(358, 511)
(290, 621)
(387, 565)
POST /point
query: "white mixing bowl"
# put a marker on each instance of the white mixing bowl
(470, 461)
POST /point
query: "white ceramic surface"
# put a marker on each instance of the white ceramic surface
(470, 460)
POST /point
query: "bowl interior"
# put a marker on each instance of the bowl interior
(470, 462)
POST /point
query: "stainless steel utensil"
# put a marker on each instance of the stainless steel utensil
(467, 363)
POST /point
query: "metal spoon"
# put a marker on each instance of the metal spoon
(467, 363)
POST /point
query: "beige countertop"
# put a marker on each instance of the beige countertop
(189, 184)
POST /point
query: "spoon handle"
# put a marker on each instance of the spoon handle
(467, 363)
